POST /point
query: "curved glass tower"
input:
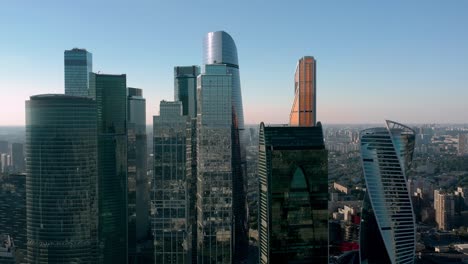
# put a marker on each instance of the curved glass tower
(61, 202)
(219, 48)
(388, 224)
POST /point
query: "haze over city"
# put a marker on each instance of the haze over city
(397, 60)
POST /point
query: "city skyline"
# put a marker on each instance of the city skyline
(412, 49)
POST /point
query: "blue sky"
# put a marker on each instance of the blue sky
(402, 60)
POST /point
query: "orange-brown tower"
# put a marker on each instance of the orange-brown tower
(303, 111)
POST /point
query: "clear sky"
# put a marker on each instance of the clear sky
(402, 60)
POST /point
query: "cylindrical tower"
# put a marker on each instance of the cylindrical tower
(61, 160)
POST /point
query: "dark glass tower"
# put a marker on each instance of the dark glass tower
(388, 233)
(78, 67)
(171, 241)
(215, 166)
(61, 153)
(17, 157)
(293, 204)
(110, 93)
(220, 48)
(138, 188)
(185, 88)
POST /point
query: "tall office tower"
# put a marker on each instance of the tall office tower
(215, 166)
(110, 93)
(388, 224)
(17, 157)
(138, 188)
(444, 206)
(13, 209)
(61, 205)
(78, 67)
(219, 48)
(191, 181)
(293, 203)
(170, 191)
(304, 108)
(185, 88)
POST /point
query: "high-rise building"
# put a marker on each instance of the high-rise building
(185, 88)
(191, 181)
(61, 205)
(388, 232)
(462, 144)
(304, 108)
(4, 162)
(170, 187)
(138, 188)
(444, 206)
(17, 157)
(110, 93)
(215, 166)
(220, 48)
(293, 199)
(78, 67)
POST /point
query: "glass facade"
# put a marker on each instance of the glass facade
(214, 154)
(78, 66)
(171, 241)
(388, 224)
(17, 157)
(61, 204)
(220, 48)
(110, 93)
(185, 88)
(293, 203)
(304, 109)
(138, 188)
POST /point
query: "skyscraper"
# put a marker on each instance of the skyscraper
(388, 224)
(170, 188)
(78, 66)
(138, 188)
(17, 157)
(110, 93)
(61, 203)
(304, 109)
(219, 48)
(215, 165)
(191, 181)
(185, 88)
(293, 199)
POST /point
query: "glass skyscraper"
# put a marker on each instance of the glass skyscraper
(17, 157)
(61, 204)
(293, 203)
(215, 165)
(304, 109)
(220, 48)
(185, 88)
(78, 66)
(110, 93)
(388, 233)
(170, 202)
(138, 188)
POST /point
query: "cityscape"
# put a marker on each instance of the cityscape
(93, 175)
